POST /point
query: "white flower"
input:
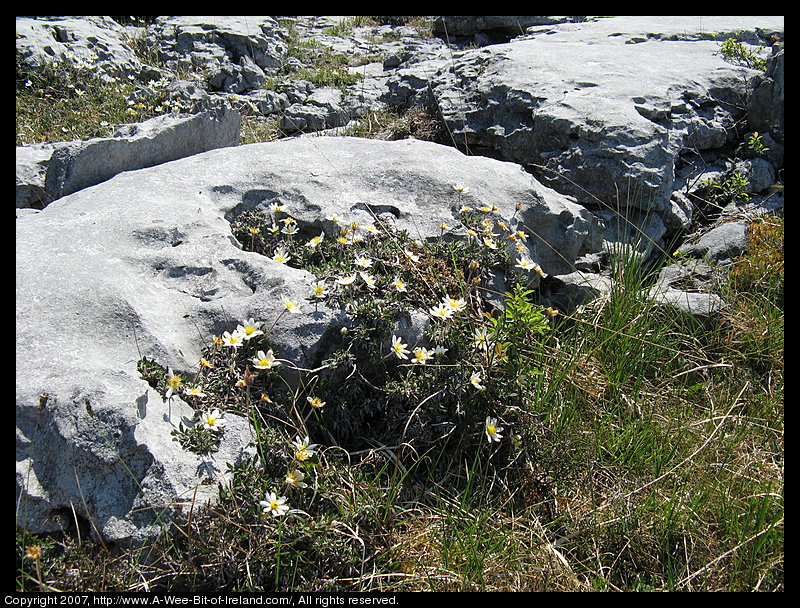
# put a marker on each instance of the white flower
(399, 284)
(490, 243)
(441, 311)
(265, 361)
(481, 338)
(454, 304)
(250, 329)
(525, 264)
(289, 228)
(173, 382)
(440, 350)
(368, 279)
(281, 256)
(234, 339)
(363, 261)
(278, 207)
(492, 430)
(292, 306)
(421, 355)
(399, 348)
(318, 290)
(302, 449)
(295, 478)
(212, 420)
(194, 391)
(475, 380)
(460, 188)
(334, 218)
(411, 256)
(273, 504)
(347, 280)
(314, 241)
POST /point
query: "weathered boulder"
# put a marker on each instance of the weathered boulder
(31, 174)
(93, 41)
(47, 172)
(486, 29)
(720, 245)
(321, 110)
(685, 287)
(233, 49)
(600, 110)
(145, 264)
(765, 105)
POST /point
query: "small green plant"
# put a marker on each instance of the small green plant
(755, 143)
(737, 52)
(731, 189)
(197, 439)
(329, 75)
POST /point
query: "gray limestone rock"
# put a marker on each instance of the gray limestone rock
(99, 42)
(145, 264)
(684, 287)
(765, 106)
(719, 245)
(212, 40)
(31, 167)
(72, 166)
(599, 110)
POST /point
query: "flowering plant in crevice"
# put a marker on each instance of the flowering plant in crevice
(376, 386)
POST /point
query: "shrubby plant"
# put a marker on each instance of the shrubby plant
(737, 52)
(374, 388)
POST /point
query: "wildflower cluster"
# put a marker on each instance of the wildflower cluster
(378, 280)
(75, 96)
(238, 372)
(302, 453)
(459, 369)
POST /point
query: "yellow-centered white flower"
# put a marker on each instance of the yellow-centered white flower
(275, 505)
(441, 311)
(264, 360)
(492, 430)
(302, 449)
(212, 420)
(398, 348)
(281, 256)
(295, 478)
(292, 306)
(319, 290)
(234, 339)
(250, 329)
